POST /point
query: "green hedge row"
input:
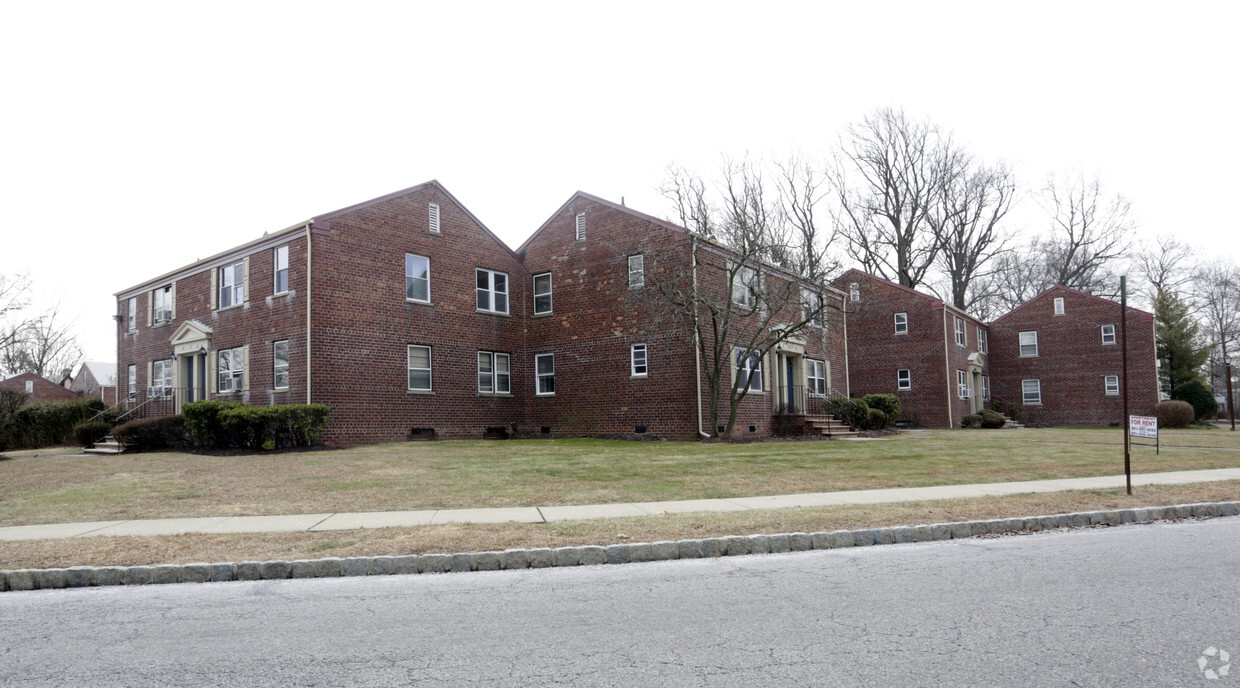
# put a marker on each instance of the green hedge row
(222, 424)
(31, 426)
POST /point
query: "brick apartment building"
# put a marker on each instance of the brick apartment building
(1057, 355)
(406, 316)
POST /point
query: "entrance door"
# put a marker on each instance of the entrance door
(790, 382)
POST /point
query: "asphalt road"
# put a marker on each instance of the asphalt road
(1135, 605)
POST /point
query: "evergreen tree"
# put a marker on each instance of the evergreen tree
(1180, 352)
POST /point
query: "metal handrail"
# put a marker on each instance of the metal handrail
(113, 407)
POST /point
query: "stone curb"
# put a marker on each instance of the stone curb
(590, 555)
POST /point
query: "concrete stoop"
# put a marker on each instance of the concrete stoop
(829, 427)
(107, 445)
(90, 576)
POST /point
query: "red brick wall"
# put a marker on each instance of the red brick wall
(44, 389)
(1072, 361)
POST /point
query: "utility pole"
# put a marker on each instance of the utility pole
(1126, 424)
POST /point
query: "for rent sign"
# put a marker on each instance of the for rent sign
(1143, 426)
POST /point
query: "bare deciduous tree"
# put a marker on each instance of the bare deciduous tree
(47, 346)
(738, 306)
(1216, 287)
(1089, 231)
(14, 300)
(1165, 266)
(886, 177)
(965, 217)
(800, 195)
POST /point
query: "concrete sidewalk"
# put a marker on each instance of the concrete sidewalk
(544, 514)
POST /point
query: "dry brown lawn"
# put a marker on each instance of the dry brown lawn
(183, 549)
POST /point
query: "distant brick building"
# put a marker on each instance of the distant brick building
(38, 388)
(1058, 354)
(96, 380)
(406, 315)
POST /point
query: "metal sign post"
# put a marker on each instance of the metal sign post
(1123, 328)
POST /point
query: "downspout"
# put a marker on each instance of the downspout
(697, 343)
(309, 292)
(847, 375)
(947, 368)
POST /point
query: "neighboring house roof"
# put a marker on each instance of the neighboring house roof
(1146, 316)
(44, 389)
(104, 373)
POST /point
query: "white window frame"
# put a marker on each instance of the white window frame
(133, 314)
(901, 323)
(281, 269)
(637, 276)
(162, 304)
(235, 370)
(983, 341)
(639, 360)
(1059, 310)
(1113, 338)
(962, 336)
(29, 386)
(580, 227)
(432, 217)
(812, 307)
(854, 291)
(428, 369)
(749, 365)
(278, 370)
(743, 291)
(986, 388)
(1026, 394)
(541, 377)
(161, 378)
(904, 379)
(133, 381)
(547, 294)
(497, 382)
(816, 377)
(232, 284)
(491, 291)
(1023, 344)
(962, 384)
(1110, 384)
(412, 262)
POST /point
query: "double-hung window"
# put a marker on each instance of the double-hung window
(812, 307)
(542, 293)
(1031, 391)
(163, 304)
(901, 323)
(417, 278)
(133, 313)
(232, 285)
(492, 291)
(1108, 334)
(544, 369)
(749, 370)
(494, 373)
(281, 268)
(961, 338)
(854, 291)
(161, 378)
(816, 376)
(133, 381)
(962, 384)
(983, 340)
(419, 368)
(986, 388)
(230, 369)
(637, 360)
(743, 287)
(1058, 305)
(637, 270)
(904, 379)
(279, 365)
(1028, 344)
(1111, 383)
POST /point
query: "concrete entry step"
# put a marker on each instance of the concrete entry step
(107, 445)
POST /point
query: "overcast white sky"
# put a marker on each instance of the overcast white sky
(138, 137)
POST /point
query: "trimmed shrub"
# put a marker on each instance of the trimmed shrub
(1197, 394)
(877, 420)
(10, 401)
(223, 424)
(44, 425)
(972, 420)
(90, 432)
(889, 404)
(153, 434)
(1009, 409)
(991, 419)
(1174, 414)
(854, 412)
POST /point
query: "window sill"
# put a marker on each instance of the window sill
(158, 324)
(502, 315)
(636, 286)
(228, 394)
(501, 395)
(1108, 343)
(901, 334)
(1028, 356)
(1032, 403)
(280, 293)
(232, 307)
(540, 315)
(280, 389)
(639, 377)
(419, 303)
(543, 396)
(904, 389)
(419, 391)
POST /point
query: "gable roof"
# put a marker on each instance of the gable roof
(601, 201)
(101, 371)
(935, 302)
(1146, 316)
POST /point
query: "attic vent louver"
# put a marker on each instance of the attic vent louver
(434, 218)
(581, 226)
